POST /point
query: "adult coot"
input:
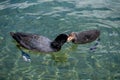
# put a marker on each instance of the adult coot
(39, 43)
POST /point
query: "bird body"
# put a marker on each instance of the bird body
(39, 43)
(84, 36)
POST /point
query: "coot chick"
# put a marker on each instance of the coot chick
(84, 36)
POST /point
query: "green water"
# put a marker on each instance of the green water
(50, 18)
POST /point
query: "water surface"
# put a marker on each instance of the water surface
(50, 18)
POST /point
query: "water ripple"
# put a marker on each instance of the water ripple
(22, 5)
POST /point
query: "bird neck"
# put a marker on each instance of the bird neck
(56, 46)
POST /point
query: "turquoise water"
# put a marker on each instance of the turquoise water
(50, 18)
